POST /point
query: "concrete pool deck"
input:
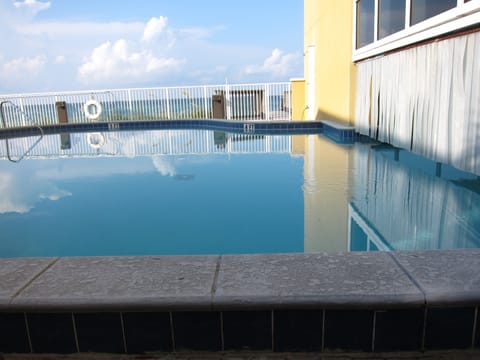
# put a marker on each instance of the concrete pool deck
(397, 301)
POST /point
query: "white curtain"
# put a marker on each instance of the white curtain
(425, 99)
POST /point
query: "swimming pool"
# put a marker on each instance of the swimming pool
(192, 191)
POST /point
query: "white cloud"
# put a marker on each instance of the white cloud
(23, 67)
(163, 166)
(116, 62)
(195, 33)
(155, 55)
(277, 64)
(60, 59)
(122, 53)
(154, 28)
(55, 196)
(20, 193)
(32, 5)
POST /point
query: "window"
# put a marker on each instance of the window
(392, 17)
(424, 9)
(365, 22)
(385, 25)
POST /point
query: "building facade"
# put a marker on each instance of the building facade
(403, 72)
(329, 70)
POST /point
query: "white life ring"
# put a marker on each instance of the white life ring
(92, 109)
(96, 140)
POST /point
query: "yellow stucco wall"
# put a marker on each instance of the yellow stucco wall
(298, 99)
(328, 26)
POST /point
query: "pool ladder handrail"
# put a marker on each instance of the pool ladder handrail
(26, 116)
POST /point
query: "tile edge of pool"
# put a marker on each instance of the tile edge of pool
(433, 294)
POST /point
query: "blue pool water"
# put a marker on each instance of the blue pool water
(208, 192)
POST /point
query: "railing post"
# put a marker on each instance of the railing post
(168, 103)
(290, 101)
(2, 113)
(228, 102)
(22, 108)
(267, 102)
(55, 99)
(130, 105)
(205, 101)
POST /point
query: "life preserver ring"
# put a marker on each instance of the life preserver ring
(92, 109)
(96, 140)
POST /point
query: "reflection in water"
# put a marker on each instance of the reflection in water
(205, 192)
(184, 177)
(145, 143)
(327, 175)
(401, 201)
(153, 192)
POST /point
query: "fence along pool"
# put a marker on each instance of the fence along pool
(269, 101)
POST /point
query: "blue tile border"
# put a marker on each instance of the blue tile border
(251, 127)
(339, 132)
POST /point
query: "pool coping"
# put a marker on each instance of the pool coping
(338, 280)
(252, 290)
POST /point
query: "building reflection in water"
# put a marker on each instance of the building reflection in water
(327, 177)
(367, 197)
(401, 201)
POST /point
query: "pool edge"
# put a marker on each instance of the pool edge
(263, 291)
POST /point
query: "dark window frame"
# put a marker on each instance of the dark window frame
(373, 26)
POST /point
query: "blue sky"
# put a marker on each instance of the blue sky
(95, 44)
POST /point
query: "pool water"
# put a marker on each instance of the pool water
(170, 192)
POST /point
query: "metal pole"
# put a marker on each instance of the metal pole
(267, 103)
(130, 105)
(228, 103)
(205, 101)
(168, 103)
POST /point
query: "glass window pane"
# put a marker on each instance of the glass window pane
(424, 9)
(391, 17)
(365, 22)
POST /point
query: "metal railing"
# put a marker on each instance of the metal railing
(269, 101)
(25, 117)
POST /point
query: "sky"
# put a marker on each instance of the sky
(55, 45)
